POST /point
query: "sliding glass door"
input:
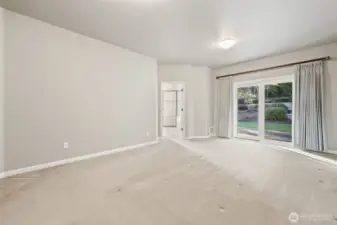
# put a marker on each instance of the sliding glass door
(263, 109)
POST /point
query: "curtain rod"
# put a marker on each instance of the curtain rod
(274, 67)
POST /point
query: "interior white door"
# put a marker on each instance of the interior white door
(181, 110)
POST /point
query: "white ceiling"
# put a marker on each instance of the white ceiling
(187, 31)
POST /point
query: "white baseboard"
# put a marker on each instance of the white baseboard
(72, 160)
(198, 137)
(311, 155)
(331, 152)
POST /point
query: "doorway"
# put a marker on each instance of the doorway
(264, 110)
(173, 109)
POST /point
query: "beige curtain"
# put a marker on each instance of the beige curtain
(309, 127)
(225, 107)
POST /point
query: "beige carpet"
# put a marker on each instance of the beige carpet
(157, 185)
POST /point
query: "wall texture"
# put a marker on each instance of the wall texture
(1, 90)
(330, 80)
(65, 87)
(198, 82)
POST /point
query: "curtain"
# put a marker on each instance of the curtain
(225, 105)
(309, 127)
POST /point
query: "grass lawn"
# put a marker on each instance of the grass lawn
(282, 127)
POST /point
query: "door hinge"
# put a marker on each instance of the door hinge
(182, 109)
(182, 129)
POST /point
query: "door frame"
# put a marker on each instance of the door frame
(184, 103)
(260, 83)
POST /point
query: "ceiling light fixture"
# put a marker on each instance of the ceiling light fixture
(227, 43)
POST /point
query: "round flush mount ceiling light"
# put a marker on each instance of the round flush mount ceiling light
(227, 43)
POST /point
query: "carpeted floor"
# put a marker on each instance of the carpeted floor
(157, 185)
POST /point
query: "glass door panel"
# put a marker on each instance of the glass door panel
(247, 112)
(278, 112)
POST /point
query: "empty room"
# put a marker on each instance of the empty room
(153, 112)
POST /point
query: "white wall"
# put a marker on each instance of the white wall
(1, 91)
(65, 87)
(330, 113)
(198, 82)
